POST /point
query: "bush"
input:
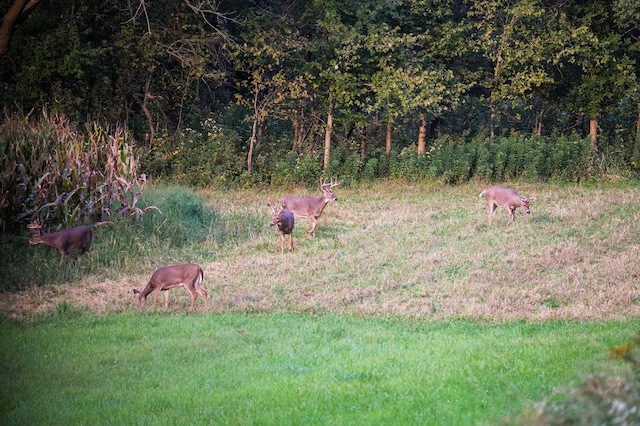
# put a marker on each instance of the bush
(201, 157)
(601, 399)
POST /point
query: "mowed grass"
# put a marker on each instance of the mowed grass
(406, 308)
(423, 252)
(280, 369)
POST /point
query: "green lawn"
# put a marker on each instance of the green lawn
(288, 368)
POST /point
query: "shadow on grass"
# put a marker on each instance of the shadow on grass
(186, 229)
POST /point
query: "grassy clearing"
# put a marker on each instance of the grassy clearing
(406, 306)
(286, 368)
(417, 251)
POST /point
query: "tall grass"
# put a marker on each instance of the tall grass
(183, 228)
(287, 368)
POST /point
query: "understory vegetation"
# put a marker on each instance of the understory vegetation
(56, 173)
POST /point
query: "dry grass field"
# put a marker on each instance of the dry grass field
(423, 251)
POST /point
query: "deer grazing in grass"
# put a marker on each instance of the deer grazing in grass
(284, 220)
(164, 279)
(311, 207)
(498, 196)
(78, 238)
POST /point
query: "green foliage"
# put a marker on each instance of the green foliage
(566, 159)
(602, 398)
(206, 155)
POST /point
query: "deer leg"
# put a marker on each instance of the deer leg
(281, 243)
(512, 216)
(156, 293)
(194, 296)
(166, 299)
(291, 242)
(204, 295)
(313, 228)
(492, 208)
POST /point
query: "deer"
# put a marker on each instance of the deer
(78, 238)
(498, 196)
(284, 220)
(311, 207)
(188, 275)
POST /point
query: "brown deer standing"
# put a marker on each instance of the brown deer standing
(284, 220)
(164, 279)
(78, 238)
(311, 207)
(498, 196)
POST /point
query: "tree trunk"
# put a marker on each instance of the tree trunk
(422, 135)
(376, 124)
(17, 13)
(389, 132)
(492, 120)
(327, 136)
(251, 144)
(298, 130)
(145, 110)
(538, 123)
(262, 128)
(638, 125)
(254, 128)
(363, 143)
(593, 132)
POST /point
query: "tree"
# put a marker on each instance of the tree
(265, 58)
(17, 13)
(601, 70)
(415, 75)
(513, 38)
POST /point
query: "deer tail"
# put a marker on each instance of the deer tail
(482, 193)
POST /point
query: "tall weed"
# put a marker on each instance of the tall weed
(53, 173)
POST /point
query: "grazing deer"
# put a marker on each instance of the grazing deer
(507, 198)
(68, 239)
(164, 279)
(284, 220)
(311, 207)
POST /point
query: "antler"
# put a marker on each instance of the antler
(331, 184)
(34, 225)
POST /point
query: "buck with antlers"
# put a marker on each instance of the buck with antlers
(284, 220)
(311, 207)
(78, 238)
(164, 279)
(498, 196)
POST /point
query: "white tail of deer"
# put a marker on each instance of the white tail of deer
(78, 238)
(164, 279)
(284, 220)
(498, 196)
(311, 207)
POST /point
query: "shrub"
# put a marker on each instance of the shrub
(600, 399)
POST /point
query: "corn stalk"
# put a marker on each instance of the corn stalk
(53, 173)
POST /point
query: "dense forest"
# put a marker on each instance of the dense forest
(281, 92)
